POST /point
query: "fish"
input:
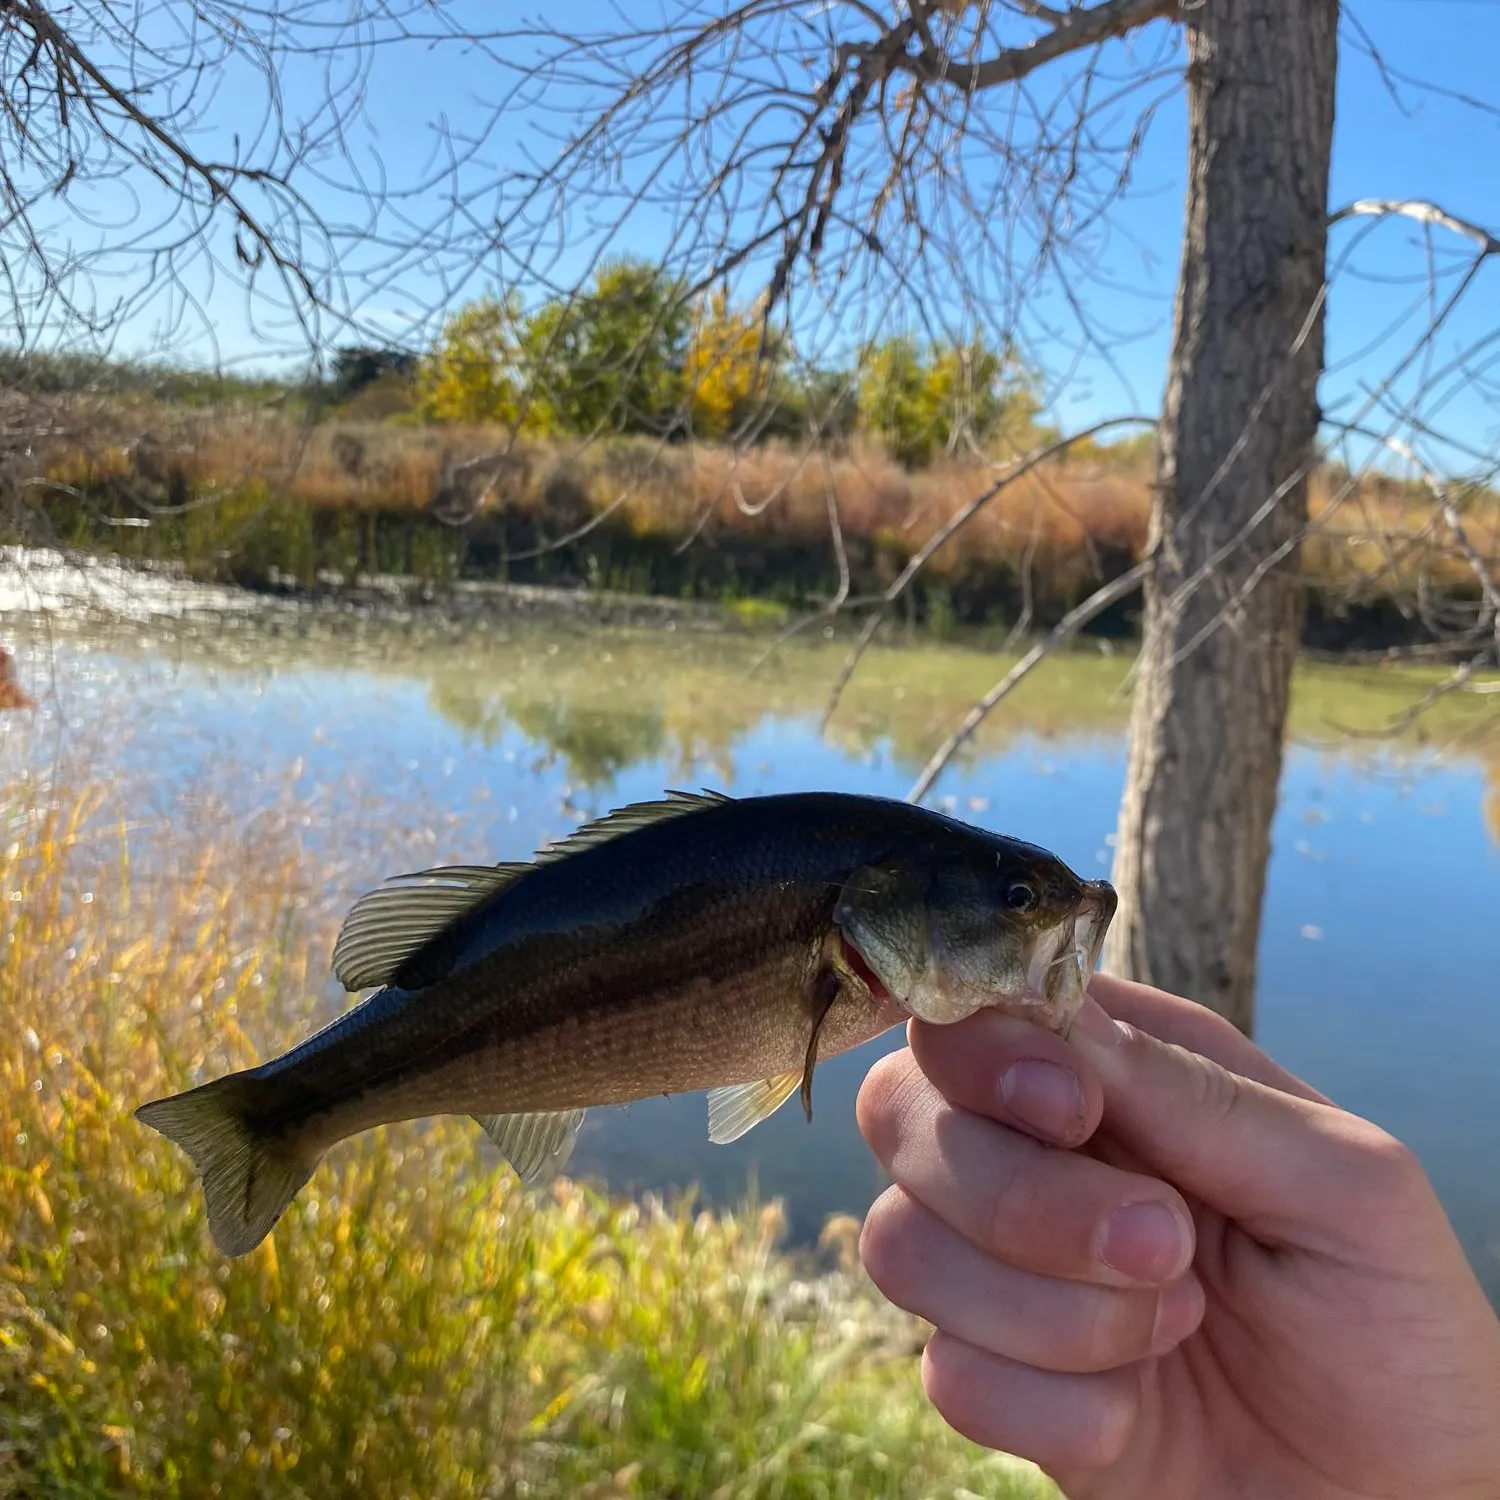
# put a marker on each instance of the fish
(696, 942)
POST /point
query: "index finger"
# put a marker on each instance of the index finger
(1171, 1018)
(1038, 1207)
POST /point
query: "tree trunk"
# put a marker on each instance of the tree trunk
(1240, 419)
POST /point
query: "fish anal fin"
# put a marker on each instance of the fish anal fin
(386, 926)
(740, 1106)
(627, 819)
(532, 1143)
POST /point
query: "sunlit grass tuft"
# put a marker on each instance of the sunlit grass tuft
(417, 1325)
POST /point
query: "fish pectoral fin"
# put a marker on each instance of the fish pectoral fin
(741, 1106)
(386, 926)
(531, 1143)
(824, 995)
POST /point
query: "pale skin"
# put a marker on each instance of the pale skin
(1289, 1317)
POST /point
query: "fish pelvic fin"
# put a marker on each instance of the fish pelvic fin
(249, 1175)
(534, 1143)
(742, 1106)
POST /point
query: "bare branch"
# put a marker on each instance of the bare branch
(1422, 212)
(1065, 629)
(950, 528)
(1073, 32)
(1458, 679)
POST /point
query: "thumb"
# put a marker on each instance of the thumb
(1290, 1169)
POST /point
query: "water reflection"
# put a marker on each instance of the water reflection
(1379, 942)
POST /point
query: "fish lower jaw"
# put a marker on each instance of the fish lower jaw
(1054, 1011)
(1055, 977)
(945, 1007)
(1063, 968)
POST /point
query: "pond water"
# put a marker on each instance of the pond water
(1381, 941)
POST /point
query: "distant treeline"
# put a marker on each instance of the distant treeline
(469, 460)
(632, 353)
(629, 354)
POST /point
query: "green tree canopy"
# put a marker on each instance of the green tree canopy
(921, 401)
(610, 357)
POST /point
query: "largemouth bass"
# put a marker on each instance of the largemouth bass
(700, 942)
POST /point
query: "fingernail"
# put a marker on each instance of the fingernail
(1044, 1096)
(1178, 1313)
(1145, 1241)
(1094, 1024)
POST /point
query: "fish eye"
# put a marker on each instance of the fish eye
(1020, 896)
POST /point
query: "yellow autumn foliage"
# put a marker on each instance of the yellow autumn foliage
(723, 369)
(471, 374)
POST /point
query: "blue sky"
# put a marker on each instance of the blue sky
(1426, 146)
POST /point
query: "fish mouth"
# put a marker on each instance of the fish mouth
(1064, 961)
(1091, 925)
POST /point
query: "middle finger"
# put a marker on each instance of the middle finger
(1071, 1327)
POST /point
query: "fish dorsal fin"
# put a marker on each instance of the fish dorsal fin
(734, 1110)
(386, 926)
(531, 1143)
(627, 819)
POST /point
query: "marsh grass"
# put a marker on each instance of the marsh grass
(417, 1326)
(243, 493)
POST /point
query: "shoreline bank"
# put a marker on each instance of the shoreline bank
(42, 580)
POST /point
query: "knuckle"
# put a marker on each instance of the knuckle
(1105, 1429)
(1115, 1330)
(887, 1246)
(1215, 1092)
(1012, 1202)
(885, 1098)
(1390, 1167)
(955, 1397)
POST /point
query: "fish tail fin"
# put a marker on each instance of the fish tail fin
(249, 1174)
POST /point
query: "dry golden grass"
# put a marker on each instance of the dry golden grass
(1075, 518)
(417, 1324)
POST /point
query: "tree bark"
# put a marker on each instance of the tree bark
(1239, 422)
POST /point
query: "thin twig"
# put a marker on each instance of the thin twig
(1423, 212)
(1065, 629)
(955, 523)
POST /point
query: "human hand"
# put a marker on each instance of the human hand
(1161, 1266)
